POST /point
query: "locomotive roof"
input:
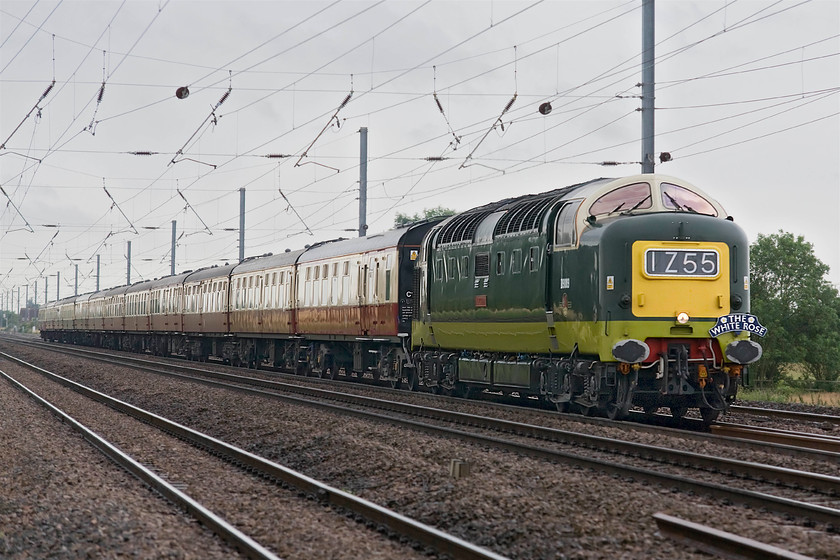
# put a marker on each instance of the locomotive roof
(527, 212)
(520, 213)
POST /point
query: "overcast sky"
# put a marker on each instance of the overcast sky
(747, 104)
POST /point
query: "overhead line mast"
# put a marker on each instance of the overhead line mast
(648, 83)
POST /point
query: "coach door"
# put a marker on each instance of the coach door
(364, 301)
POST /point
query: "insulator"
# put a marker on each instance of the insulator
(510, 103)
(438, 102)
(224, 98)
(346, 99)
(48, 90)
(101, 93)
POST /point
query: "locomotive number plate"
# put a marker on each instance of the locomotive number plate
(682, 263)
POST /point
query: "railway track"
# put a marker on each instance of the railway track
(251, 467)
(821, 510)
(798, 444)
(218, 525)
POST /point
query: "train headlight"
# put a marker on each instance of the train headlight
(683, 318)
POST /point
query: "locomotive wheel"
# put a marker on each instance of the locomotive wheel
(650, 409)
(396, 382)
(615, 412)
(678, 412)
(709, 415)
(619, 407)
(413, 382)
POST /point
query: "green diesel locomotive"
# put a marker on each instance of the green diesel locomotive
(598, 297)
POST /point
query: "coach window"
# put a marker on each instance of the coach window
(500, 263)
(566, 233)
(325, 286)
(516, 261)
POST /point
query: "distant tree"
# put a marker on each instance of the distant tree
(428, 213)
(799, 307)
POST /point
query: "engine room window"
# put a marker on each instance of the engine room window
(533, 259)
(516, 261)
(438, 269)
(500, 263)
(566, 233)
(679, 198)
(629, 197)
(450, 268)
(465, 267)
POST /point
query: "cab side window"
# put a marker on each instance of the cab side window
(566, 234)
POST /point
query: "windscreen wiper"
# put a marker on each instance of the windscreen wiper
(636, 206)
(677, 204)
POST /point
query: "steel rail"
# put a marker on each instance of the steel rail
(773, 435)
(325, 494)
(793, 415)
(720, 543)
(814, 513)
(219, 526)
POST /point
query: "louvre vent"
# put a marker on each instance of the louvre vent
(524, 216)
(461, 228)
(513, 215)
(482, 264)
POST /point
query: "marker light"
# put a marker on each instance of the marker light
(682, 318)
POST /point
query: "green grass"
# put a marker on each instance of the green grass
(787, 394)
(781, 394)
